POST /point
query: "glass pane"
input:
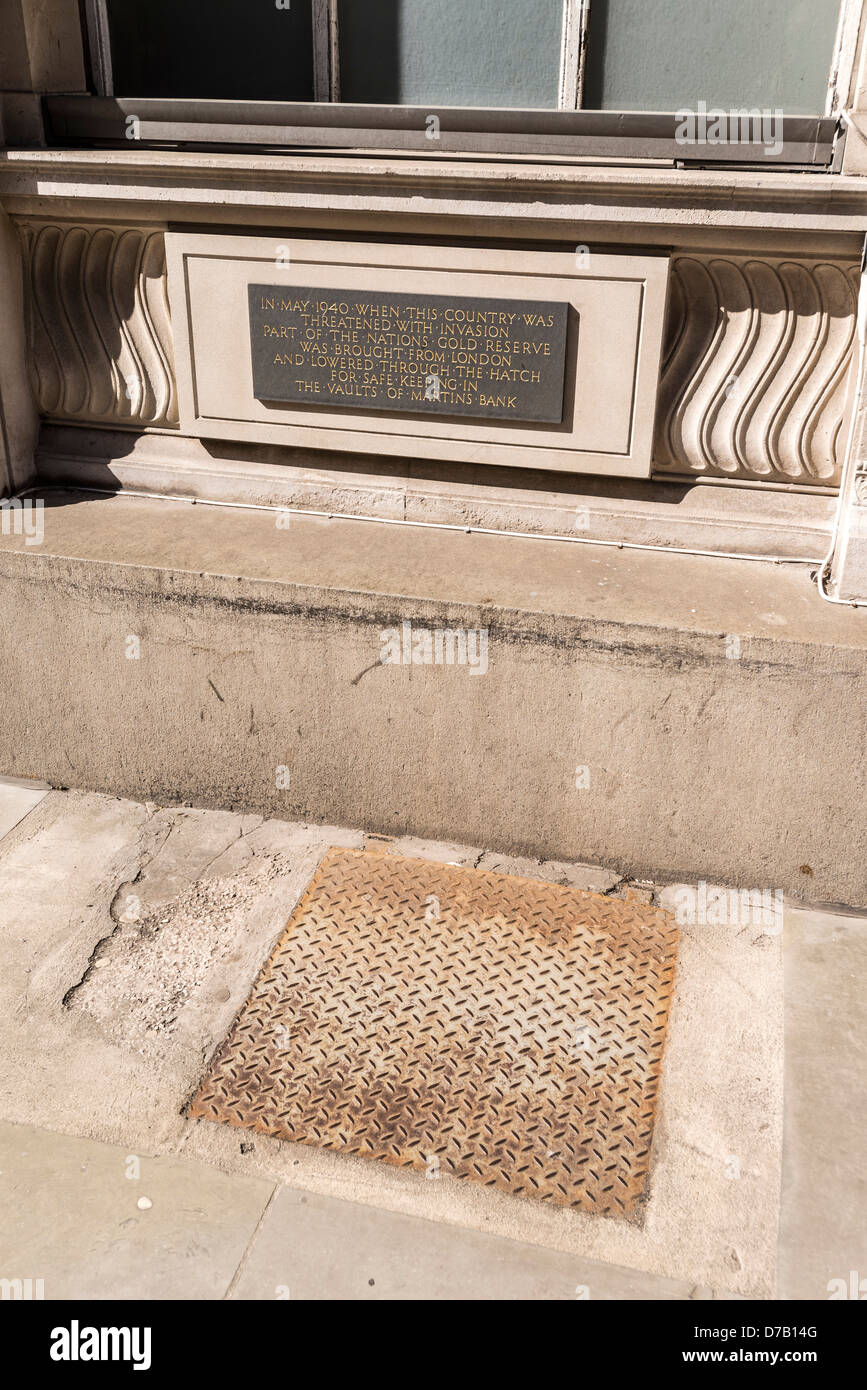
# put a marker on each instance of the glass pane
(224, 48)
(451, 52)
(662, 55)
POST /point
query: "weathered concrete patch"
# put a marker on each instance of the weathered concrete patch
(118, 1060)
(152, 967)
(590, 878)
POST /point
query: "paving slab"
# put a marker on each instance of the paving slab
(17, 799)
(93, 1220)
(823, 1225)
(314, 1247)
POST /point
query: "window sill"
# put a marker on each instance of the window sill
(762, 139)
(361, 188)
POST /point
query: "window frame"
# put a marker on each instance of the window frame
(326, 50)
(98, 46)
(842, 75)
(568, 130)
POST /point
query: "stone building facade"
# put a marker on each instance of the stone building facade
(720, 409)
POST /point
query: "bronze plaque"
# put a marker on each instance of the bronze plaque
(427, 354)
(467, 1024)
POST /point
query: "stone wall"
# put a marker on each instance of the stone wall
(756, 382)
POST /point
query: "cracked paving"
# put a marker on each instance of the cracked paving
(131, 935)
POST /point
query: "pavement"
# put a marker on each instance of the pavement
(130, 935)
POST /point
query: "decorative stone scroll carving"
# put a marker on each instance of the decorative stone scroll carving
(756, 379)
(100, 331)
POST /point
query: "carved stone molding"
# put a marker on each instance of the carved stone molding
(757, 367)
(755, 382)
(19, 423)
(99, 325)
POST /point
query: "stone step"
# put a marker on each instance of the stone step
(668, 716)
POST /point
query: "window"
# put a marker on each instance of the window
(517, 76)
(247, 50)
(627, 55)
(660, 56)
(450, 53)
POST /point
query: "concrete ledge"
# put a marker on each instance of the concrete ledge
(551, 198)
(737, 761)
(764, 520)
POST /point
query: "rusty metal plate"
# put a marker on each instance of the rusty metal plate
(464, 1023)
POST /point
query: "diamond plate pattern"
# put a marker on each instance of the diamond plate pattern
(463, 1023)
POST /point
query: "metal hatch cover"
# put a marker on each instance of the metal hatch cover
(468, 1024)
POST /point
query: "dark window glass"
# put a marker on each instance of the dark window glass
(245, 50)
(664, 55)
(450, 52)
